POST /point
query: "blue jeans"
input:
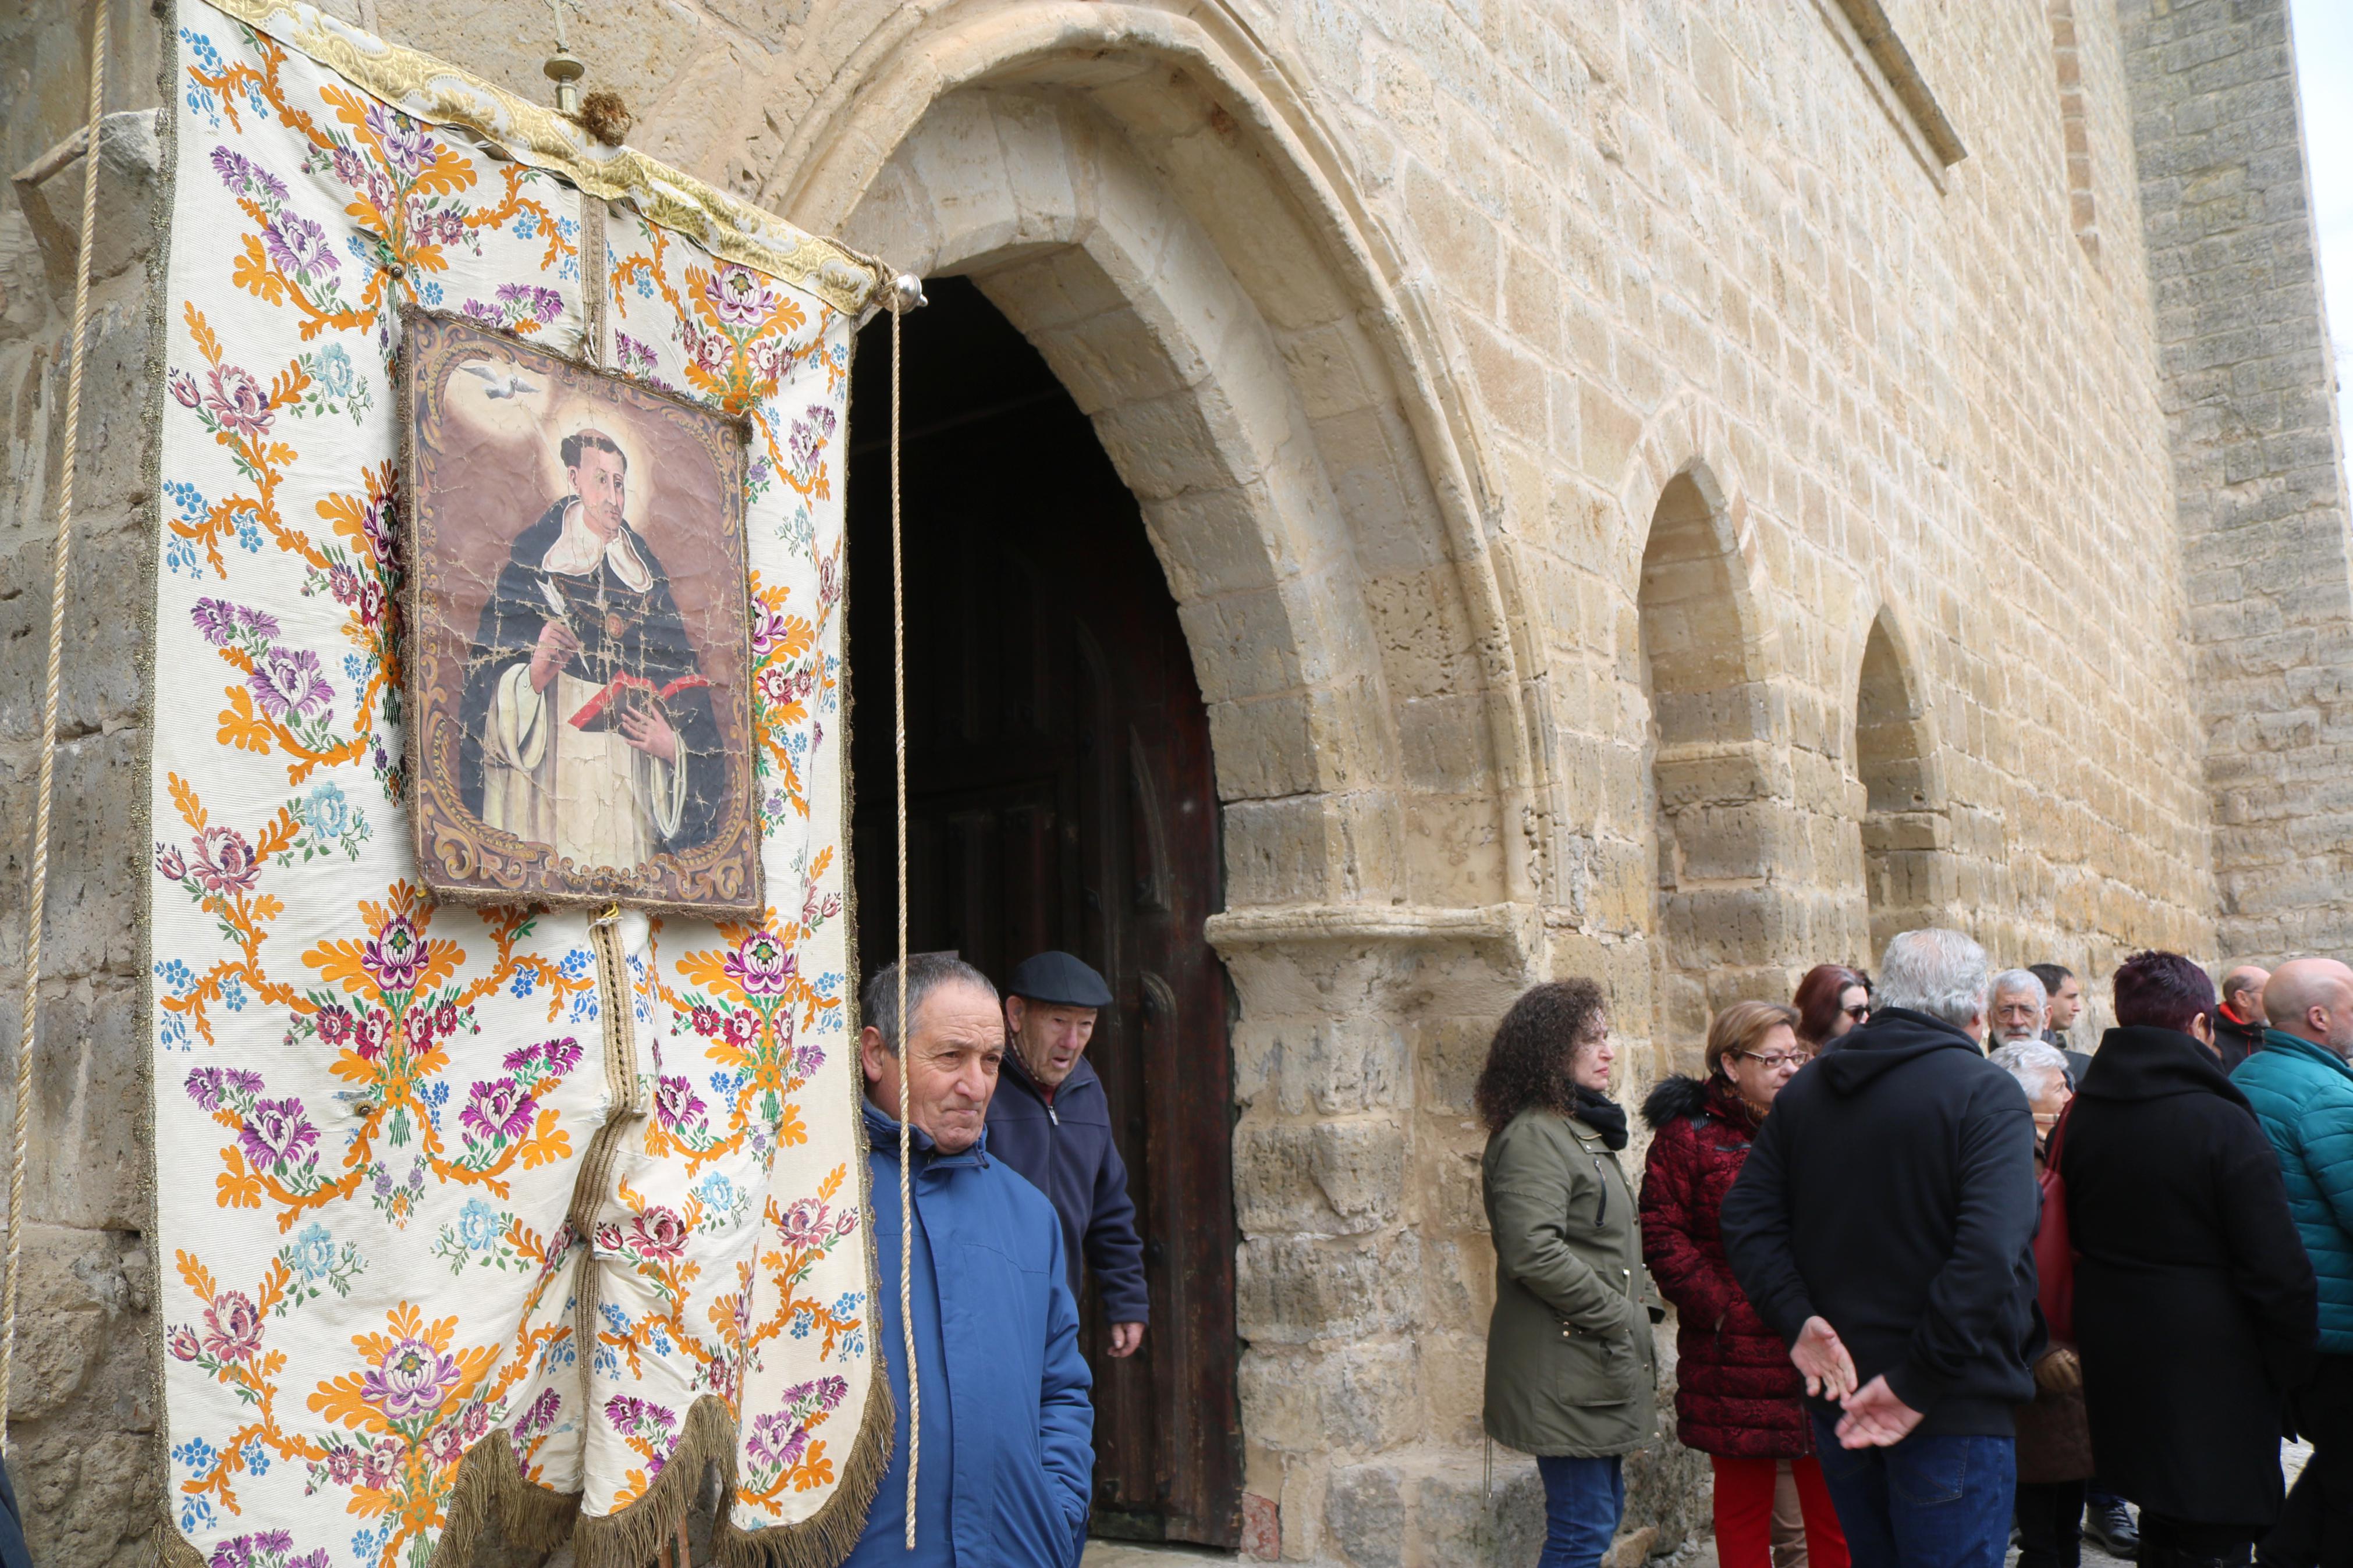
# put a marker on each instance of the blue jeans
(1930, 1501)
(1584, 1500)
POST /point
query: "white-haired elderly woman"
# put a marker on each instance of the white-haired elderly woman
(2055, 1433)
(2042, 1071)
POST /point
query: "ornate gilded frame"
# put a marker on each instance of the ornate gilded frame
(461, 857)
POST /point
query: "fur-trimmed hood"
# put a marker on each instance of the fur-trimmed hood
(1674, 1097)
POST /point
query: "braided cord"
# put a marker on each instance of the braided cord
(37, 897)
(906, 1034)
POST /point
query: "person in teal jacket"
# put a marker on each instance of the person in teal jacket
(2301, 1086)
(1008, 1458)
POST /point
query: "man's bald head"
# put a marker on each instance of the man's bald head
(2242, 990)
(2312, 998)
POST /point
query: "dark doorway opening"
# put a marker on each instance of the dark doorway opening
(1060, 795)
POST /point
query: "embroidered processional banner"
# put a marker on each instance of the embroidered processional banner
(472, 1212)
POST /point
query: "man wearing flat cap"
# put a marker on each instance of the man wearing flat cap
(1051, 1121)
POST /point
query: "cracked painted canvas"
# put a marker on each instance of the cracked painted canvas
(579, 721)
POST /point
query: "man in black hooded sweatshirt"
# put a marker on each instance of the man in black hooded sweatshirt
(1884, 1227)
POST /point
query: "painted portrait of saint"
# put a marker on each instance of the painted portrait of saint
(581, 615)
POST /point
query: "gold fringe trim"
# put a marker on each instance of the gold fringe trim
(439, 92)
(630, 1538)
(489, 1490)
(176, 1551)
(829, 1535)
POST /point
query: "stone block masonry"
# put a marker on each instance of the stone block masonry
(2246, 375)
(1636, 512)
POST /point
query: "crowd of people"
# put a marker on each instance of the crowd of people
(1943, 1280)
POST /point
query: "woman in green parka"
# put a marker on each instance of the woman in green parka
(1570, 1376)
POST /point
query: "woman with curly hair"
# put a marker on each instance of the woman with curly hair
(1737, 1392)
(1830, 1000)
(1570, 1376)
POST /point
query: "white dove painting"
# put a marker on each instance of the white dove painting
(501, 381)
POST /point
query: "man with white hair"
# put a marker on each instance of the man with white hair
(2301, 1087)
(2019, 1007)
(1884, 1225)
(2022, 1011)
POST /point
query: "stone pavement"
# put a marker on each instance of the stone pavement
(1698, 1554)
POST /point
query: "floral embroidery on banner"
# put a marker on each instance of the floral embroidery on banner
(392, 1100)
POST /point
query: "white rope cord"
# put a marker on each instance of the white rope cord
(36, 900)
(906, 1041)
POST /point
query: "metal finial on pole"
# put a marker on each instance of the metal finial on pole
(563, 67)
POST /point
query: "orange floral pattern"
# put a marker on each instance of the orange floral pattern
(373, 1113)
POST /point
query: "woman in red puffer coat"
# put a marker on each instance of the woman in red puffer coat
(1736, 1392)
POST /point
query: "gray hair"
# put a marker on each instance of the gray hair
(926, 973)
(1936, 972)
(2032, 1064)
(2020, 982)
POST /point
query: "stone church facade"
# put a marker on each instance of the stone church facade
(1667, 492)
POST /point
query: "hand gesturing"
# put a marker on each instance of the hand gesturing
(557, 644)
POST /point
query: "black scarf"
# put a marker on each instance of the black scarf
(1603, 1114)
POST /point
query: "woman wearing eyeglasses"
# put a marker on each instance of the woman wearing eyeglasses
(1832, 999)
(1737, 1398)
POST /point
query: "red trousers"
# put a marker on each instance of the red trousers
(1743, 1513)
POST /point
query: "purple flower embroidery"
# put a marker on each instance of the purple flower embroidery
(216, 619)
(411, 1380)
(406, 146)
(658, 1233)
(238, 401)
(225, 862)
(275, 1133)
(530, 302)
(635, 358)
(739, 296)
(256, 623)
(287, 679)
(185, 391)
(809, 1223)
(396, 957)
(762, 965)
(498, 1109)
(776, 1441)
(541, 1415)
(246, 178)
(676, 1104)
(232, 1326)
(204, 1088)
(169, 864)
(809, 438)
(642, 1419)
(298, 245)
(185, 1345)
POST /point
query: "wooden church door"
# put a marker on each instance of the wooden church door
(1060, 795)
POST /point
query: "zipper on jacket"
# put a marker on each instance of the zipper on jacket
(1601, 1208)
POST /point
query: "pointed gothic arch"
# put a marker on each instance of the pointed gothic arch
(1721, 817)
(1906, 823)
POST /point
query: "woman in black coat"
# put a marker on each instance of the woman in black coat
(2195, 1304)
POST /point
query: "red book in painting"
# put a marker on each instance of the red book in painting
(603, 711)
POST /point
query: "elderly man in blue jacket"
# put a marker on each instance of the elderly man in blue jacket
(2301, 1086)
(1008, 1450)
(1051, 1121)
